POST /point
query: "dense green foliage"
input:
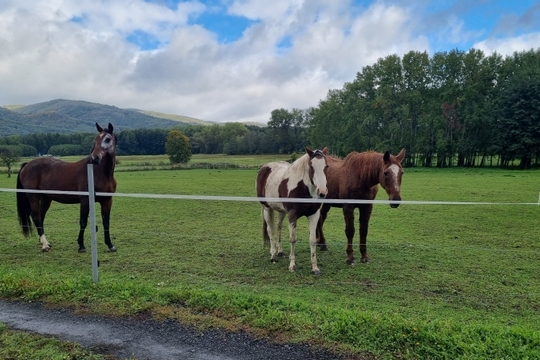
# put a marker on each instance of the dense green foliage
(454, 108)
(178, 147)
(445, 281)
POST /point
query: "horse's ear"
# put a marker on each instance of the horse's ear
(99, 128)
(110, 128)
(401, 155)
(309, 151)
(325, 150)
(386, 156)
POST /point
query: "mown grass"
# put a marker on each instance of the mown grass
(445, 281)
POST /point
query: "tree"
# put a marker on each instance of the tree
(178, 147)
(8, 158)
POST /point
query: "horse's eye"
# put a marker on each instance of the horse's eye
(386, 173)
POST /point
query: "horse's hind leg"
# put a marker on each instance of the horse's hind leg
(83, 222)
(105, 217)
(280, 218)
(40, 205)
(268, 218)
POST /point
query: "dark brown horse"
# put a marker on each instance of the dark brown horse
(304, 178)
(357, 177)
(49, 173)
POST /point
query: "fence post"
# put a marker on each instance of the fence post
(92, 206)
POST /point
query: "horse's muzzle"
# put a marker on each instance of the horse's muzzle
(395, 202)
(96, 159)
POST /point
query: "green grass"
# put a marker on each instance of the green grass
(445, 281)
(16, 345)
(161, 162)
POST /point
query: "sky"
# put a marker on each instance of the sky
(232, 60)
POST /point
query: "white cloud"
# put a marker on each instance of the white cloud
(44, 55)
(507, 46)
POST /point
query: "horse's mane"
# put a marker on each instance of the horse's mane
(365, 166)
(300, 164)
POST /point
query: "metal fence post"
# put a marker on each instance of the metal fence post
(92, 205)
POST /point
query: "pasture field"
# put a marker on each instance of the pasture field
(445, 281)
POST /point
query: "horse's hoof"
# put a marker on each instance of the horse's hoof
(280, 254)
(46, 249)
(351, 262)
(273, 261)
(323, 247)
(316, 272)
(365, 260)
(292, 268)
(82, 250)
(112, 249)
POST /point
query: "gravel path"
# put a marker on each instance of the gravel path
(148, 339)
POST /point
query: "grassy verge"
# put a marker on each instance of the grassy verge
(445, 281)
(16, 345)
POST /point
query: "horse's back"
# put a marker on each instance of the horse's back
(269, 178)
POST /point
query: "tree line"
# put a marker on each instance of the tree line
(229, 138)
(455, 108)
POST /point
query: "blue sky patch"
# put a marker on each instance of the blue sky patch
(143, 40)
(228, 28)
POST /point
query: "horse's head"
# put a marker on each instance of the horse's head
(104, 143)
(317, 170)
(390, 176)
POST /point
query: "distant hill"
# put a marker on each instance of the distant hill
(70, 116)
(180, 118)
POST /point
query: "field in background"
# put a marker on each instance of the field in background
(445, 281)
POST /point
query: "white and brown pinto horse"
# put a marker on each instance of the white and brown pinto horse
(49, 173)
(357, 177)
(304, 178)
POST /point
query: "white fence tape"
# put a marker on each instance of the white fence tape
(267, 199)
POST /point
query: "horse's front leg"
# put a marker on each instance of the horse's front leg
(348, 215)
(292, 241)
(313, 220)
(83, 222)
(365, 215)
(105, 217)
(321, 240)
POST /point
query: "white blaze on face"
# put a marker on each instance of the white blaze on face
(106, 141)
(393, 171)
(319, 177)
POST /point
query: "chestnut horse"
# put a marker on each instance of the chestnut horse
(304, 178)
(357, 177)
(49, 173)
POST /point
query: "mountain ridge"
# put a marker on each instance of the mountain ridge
(71, 116)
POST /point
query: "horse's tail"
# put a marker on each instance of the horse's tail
(265, 236)
(23, 208)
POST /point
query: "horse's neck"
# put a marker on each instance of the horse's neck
(106, 166)
(368, 168)
(108, 163)
(299, 171)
